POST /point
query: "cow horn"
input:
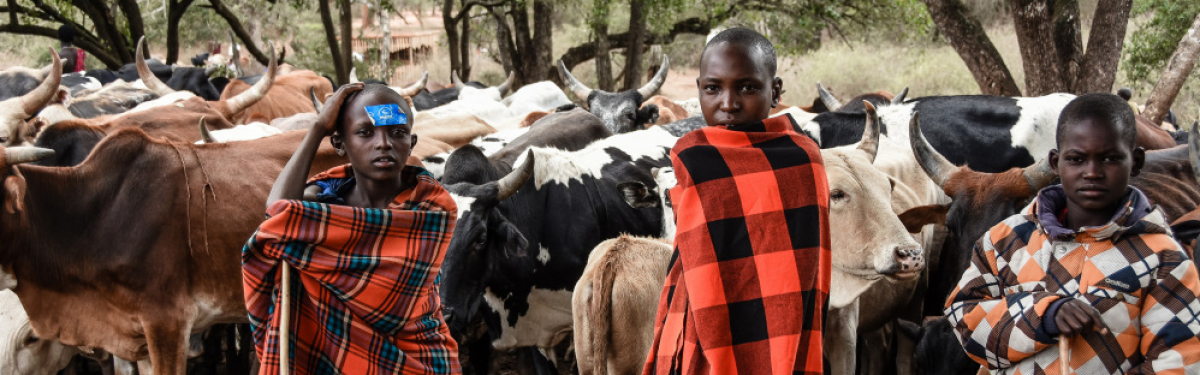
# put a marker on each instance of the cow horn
(1039, 175)
(205, 135)
(148, 78)
(312, 93)
(455, 80)
(37, 99)
(582, 92)
(504, 87)
(511, 183)
(18, 155)
(900, 98)
(414, 89)
(655, 83)
(933, 163)
(830, 102)
(870, 138)
(1194, 150)
(354, 75)
(246, 99)
(237, 57)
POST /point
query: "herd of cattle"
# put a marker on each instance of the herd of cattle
(127, 197)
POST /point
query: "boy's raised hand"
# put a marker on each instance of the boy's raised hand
(1077, 316)
(327, 118)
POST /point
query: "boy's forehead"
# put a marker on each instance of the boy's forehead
(728, 50)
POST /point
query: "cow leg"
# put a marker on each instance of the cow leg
(146, 368)
(123, 367)
(531, 358)
(841, 333)
(167, 342)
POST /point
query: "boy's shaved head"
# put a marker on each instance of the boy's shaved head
(1106, 108)
(751, 40)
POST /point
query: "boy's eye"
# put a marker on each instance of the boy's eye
(363, 132)
(748, 88)
(710, 88)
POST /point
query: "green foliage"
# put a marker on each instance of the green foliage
(1152, 45)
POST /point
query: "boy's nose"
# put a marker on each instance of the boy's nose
(1093, 170)
(385, 143)
(729, 103)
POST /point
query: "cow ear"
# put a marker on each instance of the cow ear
(916, 217)
(14, 194)
(648, 114)
(514, 242)
(637, 195)
(63, 96)
(910, 329)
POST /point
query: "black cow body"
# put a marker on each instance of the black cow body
(523, 254)
(988, 133)
(194, 80)
(938, 350)
(18, 81)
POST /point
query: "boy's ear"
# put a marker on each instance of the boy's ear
(776, 91)
(1139, 160)
(1054, 160)
(335, 140)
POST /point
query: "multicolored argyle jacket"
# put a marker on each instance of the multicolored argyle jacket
(364, 283)
(749, 282)
(1131, 270)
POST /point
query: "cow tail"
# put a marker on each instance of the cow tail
(600, 307)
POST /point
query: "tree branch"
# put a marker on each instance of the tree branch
(239, 30)
(586, 51)
(96, 51)
(471, 4)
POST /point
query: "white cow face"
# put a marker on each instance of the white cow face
(22, 352)
(868, 238)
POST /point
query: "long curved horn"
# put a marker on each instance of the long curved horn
(511, 183)
(830, 101)
(870, 138)
(37, 99)
(312, 93)
(581, 91)
(18, 155)
(507, 85)
(353, 75)
(1194, 150)
(655, 83)
(237, 56)
(1039, 175)
(900, 98)
(933, 163)
(455, 80)
(148, 78)
(414, 89)
(205, 135)
(246, 99)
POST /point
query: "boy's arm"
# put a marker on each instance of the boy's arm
(1169, 318)
(290, 183)
(997, 329)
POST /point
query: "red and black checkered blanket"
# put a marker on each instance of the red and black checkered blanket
(749, 283)
(364, 287)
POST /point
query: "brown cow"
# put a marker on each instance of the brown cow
(288, 96)
(613, 320)
(144, 236)
(228, 107)
(668, 110)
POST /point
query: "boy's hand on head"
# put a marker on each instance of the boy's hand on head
(327, 118)
(1077, 316)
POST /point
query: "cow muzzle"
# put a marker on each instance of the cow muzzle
(908, 264)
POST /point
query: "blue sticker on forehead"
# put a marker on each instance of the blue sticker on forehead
(386, 114)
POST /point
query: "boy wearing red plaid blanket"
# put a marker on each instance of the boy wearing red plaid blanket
(749, 282)
(1090, 261)
(366, 254)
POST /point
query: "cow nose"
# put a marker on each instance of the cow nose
(910, 259)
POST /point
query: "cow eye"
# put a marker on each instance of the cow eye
(837, 195)
(629, 116)
(32, 339)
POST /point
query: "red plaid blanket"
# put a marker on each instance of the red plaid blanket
(364, 286)
(749, 283)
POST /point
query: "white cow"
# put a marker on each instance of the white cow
(22, 352)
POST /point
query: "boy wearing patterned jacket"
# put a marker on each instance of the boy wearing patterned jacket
(1089, 261)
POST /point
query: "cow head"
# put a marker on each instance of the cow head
(638, 195)
(868, 239)
(831, 104)
(469, 92)
(978, 201)
(485, 243)
(228, 108)
(621, 112)
(14, 111)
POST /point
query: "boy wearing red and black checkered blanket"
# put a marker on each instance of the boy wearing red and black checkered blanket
(366, 244)
(1089, 261)
(749, 282)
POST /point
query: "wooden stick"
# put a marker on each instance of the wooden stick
(1064, 353)
(285, 317)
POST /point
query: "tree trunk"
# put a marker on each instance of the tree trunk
(385, 55)
(340, 70)
(599, 21)
(968, 38)
(452, 39)
(235, 23)
(133, 16)
(1050, 42)
(1105, 43)
(347, 35)
(175, 12)
(637, 39)
(694, 25)
(507, 52)
(523, 37)
(464, 47)
(1178, 69)
(543, 43)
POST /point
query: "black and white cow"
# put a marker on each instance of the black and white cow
(523, 239)
(18, 80)
(989, 133)
(622, 112)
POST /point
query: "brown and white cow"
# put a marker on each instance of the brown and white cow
(145, 236)
(14, 111)
(668, 110)
(288, 96)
